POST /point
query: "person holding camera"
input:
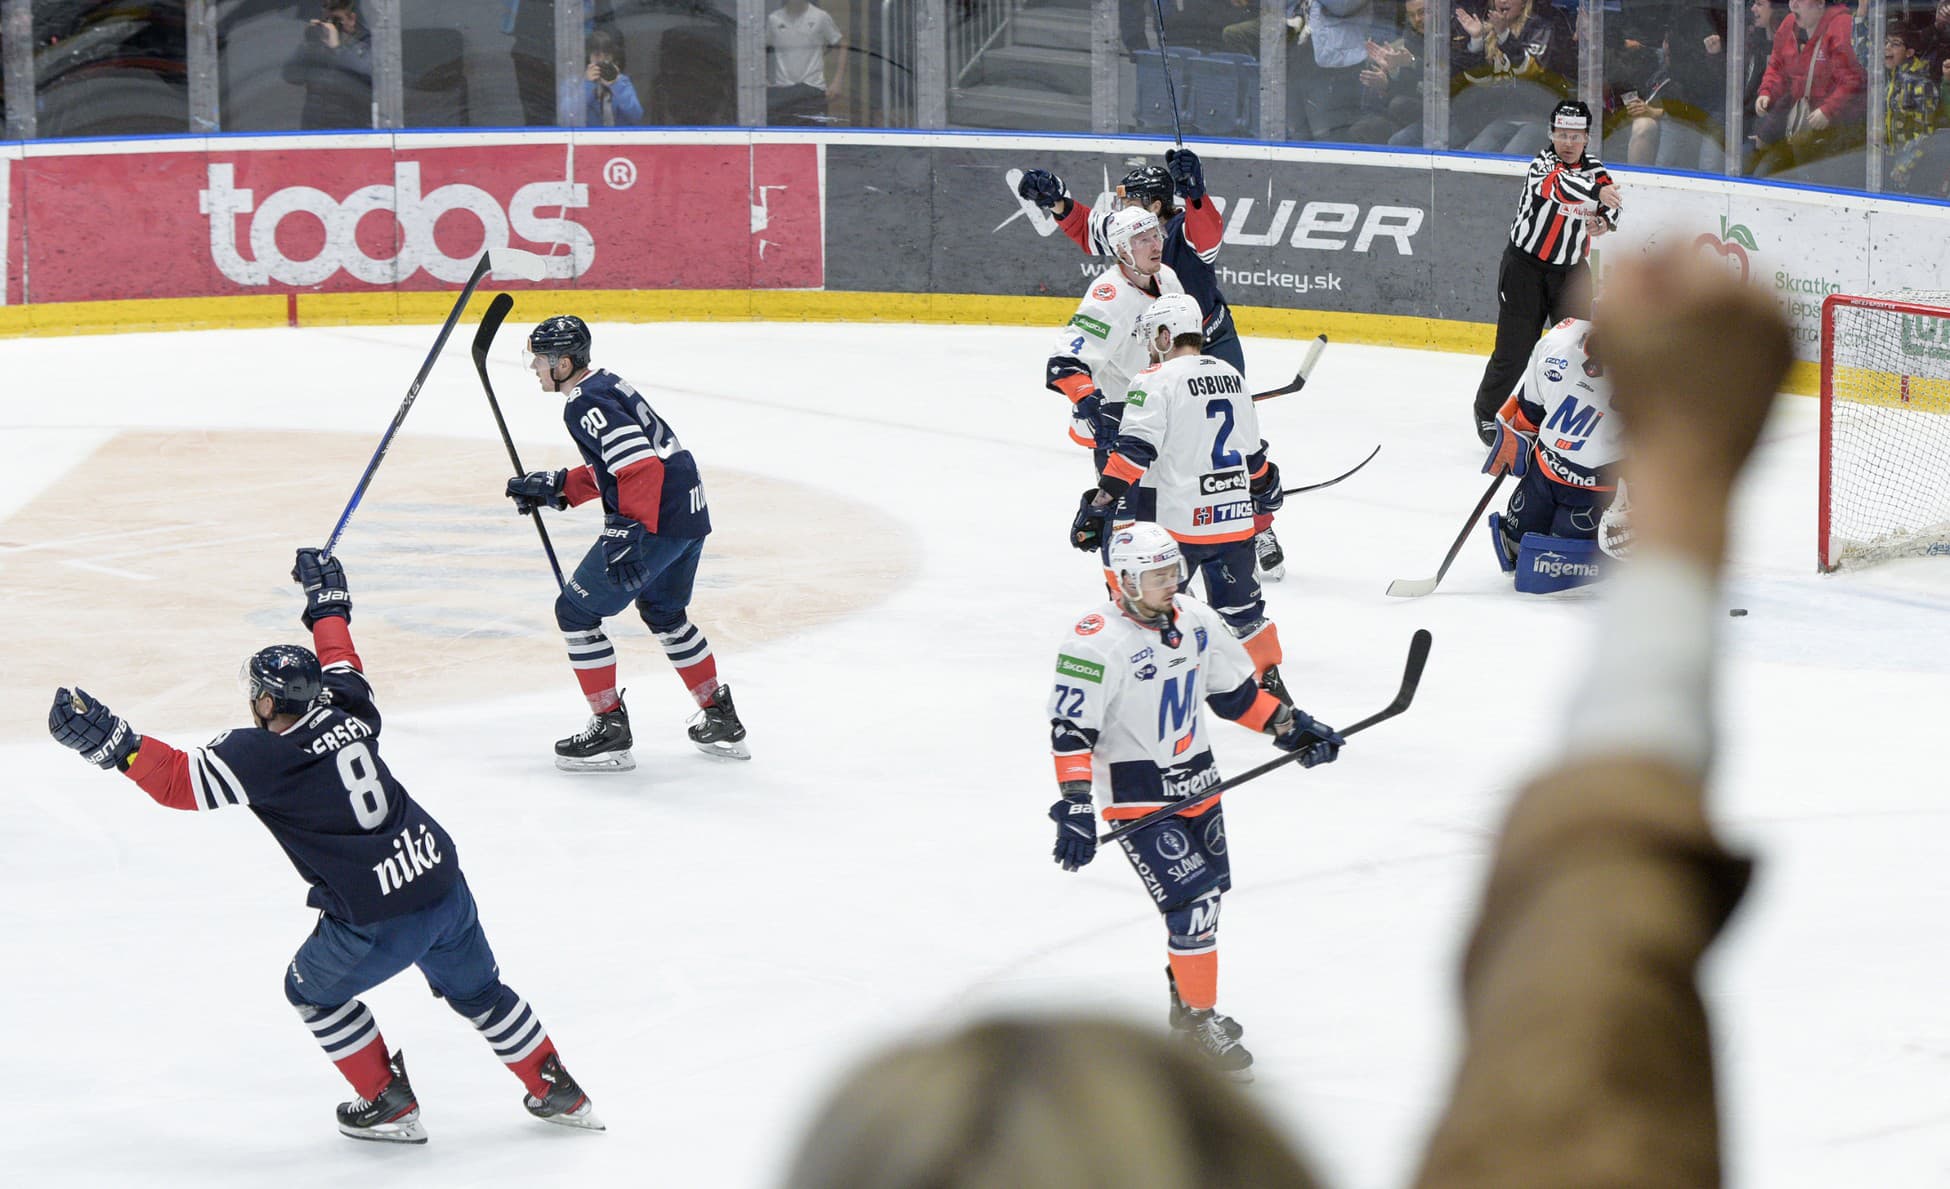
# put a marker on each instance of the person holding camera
(608, 95)
(334, 65)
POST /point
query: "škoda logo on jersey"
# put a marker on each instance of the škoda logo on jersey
(415, 214)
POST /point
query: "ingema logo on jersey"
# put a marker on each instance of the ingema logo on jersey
(1556, 565)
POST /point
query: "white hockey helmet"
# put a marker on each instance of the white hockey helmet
(1176, 312)
(1138, 548)
(1125, 226)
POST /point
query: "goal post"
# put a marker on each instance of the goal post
(1884, 488)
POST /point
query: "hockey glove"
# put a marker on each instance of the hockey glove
(1509, 451)
(104, 739)
(1042, 187)
(1076, 826)
(1187, 175)
(324, 581)
(625, 542)
(1295, 730)
(1092, 520)
(1267, 496)
(538, 489)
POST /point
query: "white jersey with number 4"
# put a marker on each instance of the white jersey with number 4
(1103, 336)
(1195, 420)
(1128, 709)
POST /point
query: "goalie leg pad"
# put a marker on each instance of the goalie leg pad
(1547, 564)
(1505, 545)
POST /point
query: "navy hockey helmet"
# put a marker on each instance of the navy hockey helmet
(564, 335)
(1147, 183)
(288, 674)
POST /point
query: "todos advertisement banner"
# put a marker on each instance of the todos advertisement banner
(159, 222)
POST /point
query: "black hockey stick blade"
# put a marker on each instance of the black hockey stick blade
(497, 313)
(1337, 478)
(1418, 657)
(1306, 368)
(1415, 588)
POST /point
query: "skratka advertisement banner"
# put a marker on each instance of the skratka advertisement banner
(226, 221)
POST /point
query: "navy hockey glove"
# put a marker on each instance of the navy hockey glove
(1294, 730)
(625, 542)
(104, 739)
(1267, 496)
(324, 581)
(538, 489)
(1509, 451)
(1187, 175)
(1092, 521)
(1042, 187)
(1076, 826)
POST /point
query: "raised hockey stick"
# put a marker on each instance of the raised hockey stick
(1336, 479)
(509, 262)
(1306, 366)
(1415, 588)
(1418, 656)
(497, 312)
(1164, 64)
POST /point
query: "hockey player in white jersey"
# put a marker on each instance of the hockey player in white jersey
(1126, 725)
(1557, 436)
(1099, 350)
(1188, 456)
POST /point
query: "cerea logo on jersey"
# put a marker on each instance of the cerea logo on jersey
(416, 213)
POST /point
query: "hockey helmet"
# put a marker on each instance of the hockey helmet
(1125, 226)
(563, 336)
(1176, 312)
(1146, 184)
(287, 673)
(1571, 116)
(1139, 548)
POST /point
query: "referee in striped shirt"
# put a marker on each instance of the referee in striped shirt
(1568, 200)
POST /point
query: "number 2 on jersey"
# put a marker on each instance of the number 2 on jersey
(1221, 457)
(359, 772)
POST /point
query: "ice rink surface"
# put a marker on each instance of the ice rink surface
(711, 944)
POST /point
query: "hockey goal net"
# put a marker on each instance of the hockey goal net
(1885, 427)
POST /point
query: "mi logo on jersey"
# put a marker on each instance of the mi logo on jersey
(1574, 420)
(1178, 710)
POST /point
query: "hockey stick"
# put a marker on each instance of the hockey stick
(1336, 479)
(507, 261)
(1415, 588)
(497, 312)
(1418, 656)
(1164, 64)
(1306, 365)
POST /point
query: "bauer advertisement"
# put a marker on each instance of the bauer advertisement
(363, 214)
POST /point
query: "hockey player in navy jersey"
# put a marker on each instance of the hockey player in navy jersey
(1193, 235)
(654, 524)
(384, 875)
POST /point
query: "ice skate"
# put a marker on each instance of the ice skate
(1209, 1037)
(717, 731)
(1274, 684)
(566, 1104)
(602, 746)
(393, 1117)
(1181, 1015)
(1268, 558)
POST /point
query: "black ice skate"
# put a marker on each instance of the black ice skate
(1268, 558)
(602, 746)
(1274, 684)
(566, 1104)
(393, 1117)
(1181, 1015)
(1209, 1037)
(717, 731)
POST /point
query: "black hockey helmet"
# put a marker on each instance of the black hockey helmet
(1147, 183)
(287, 673)
(1571, 116)
(563, 335)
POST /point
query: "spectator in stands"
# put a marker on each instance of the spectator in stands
(334, 65)
(1939, 43)
(1915, 109)
(608, 96)
(806, 49)
(1391, 82)
(1664, 88)
(1587, 1049)
(1766, 17)
(1510, 63)
(1811, 99)
(1340, 31)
